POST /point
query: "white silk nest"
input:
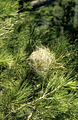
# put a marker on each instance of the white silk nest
(41, 60)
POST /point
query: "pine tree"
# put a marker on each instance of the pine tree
(26, 91)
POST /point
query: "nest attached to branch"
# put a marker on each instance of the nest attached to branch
(41, 60)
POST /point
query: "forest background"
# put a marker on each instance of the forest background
(25, 95)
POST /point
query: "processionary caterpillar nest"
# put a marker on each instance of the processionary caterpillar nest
(41, 59)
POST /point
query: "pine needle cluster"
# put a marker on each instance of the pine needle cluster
(38, 83)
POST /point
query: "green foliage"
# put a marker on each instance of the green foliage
(24, 94)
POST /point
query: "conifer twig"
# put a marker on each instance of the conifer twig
(43, 97)
(29, 117)
(5, 33)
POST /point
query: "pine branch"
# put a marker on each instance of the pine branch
(5, 33)
(29, 117)
(33, 102)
